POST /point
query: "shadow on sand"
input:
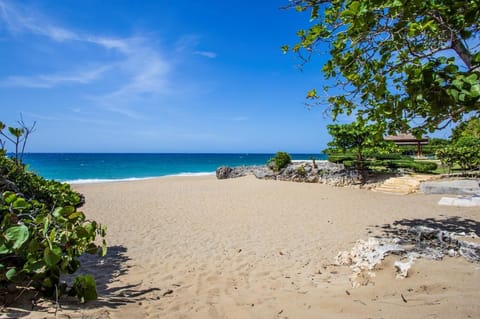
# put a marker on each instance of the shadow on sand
(106, 271)
(451, 224)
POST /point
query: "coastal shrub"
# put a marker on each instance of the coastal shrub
(301, 171)
(280, 160)
(42, 234)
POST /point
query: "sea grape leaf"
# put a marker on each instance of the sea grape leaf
(76, 215)
(52, 256)
(9, 197)
(20, 203)
(17, 235)
(11, 273)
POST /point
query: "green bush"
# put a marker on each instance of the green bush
(43, 233)
(301, 171)
(280, 160)
(392, 156)
(420, 167)
(424, 167)
(341, 158)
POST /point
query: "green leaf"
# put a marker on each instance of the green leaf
(11, 273)
(57, 212)
(104, 248)
(84, 287)
(354, 6)
(475, 90)
(21, 203)
(458, 84)
(3, 247)
(76, 215)
(52, 256)
(17, 132)
(472, 79)
(17, 235)
(9, 197)
(312, 94)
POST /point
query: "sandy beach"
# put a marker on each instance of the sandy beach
(198, 247)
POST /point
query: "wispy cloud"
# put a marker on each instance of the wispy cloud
(207, 54)
(240, 118)
(53, 80)
(140, 69)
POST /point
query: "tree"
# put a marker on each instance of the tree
(410, 64)
(18, 136)
(469, 128)
(358, 138)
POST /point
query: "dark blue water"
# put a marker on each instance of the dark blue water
(103, 167)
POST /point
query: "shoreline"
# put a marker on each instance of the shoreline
(134, 179)
(182, 174)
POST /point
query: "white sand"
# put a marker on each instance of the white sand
(197, 247)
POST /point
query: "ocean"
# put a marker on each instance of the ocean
(91, 168)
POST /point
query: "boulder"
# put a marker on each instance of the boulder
(223, 172)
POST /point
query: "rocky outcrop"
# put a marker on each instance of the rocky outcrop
(301, 171)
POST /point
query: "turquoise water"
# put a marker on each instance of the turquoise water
(85, 168)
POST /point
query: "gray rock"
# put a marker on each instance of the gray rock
(223, 172)
(455, 187)
(305, 171)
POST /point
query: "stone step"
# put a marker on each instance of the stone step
(402, 185)
(395, 187)
(392, 191)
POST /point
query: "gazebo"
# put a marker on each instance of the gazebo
(408, 139)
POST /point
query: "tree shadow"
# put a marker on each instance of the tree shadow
(454, 224)
(106, 271)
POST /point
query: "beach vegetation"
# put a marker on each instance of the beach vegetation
(469, 128)
(360, 147)
(410, 65)
(301, 171)
(280, 161)
(42, 231)
(352, 143)
(465, 152)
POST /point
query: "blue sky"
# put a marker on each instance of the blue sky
(158, 76)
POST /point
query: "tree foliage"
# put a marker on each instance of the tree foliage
(464, 152)
(42, 232)
(469, 128)
(411, 64)
(359, 139)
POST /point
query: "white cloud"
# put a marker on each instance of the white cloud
(140, 68)
(207, 54)
(53, 80)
